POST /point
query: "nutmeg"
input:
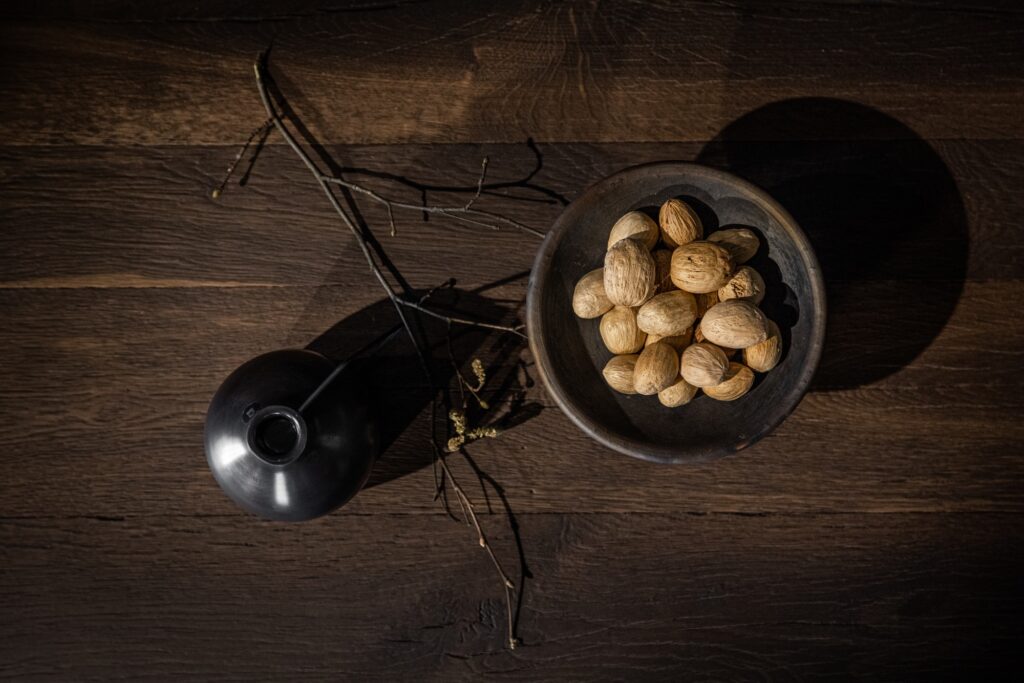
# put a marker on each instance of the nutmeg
(737, 382)
(705, 301)
(698, 338)
(679, 223)
(619, 331)
(735, 324)
(589, 299)
(746, 283)
(662, 270)
(667, 314)
(636, 225)
(657, 368)
(618, 372)
(742, 243)
(677, 342)
(678, 394)
(764, 356)
(628, 273)
(700, 267)
(703, 365)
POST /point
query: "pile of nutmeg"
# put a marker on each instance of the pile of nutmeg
(675, 308)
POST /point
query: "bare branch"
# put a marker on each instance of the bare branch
(465, 213)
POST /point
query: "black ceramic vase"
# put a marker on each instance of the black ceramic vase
(278, 462)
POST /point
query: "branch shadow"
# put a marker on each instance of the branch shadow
(883, 213)
(541, 193)
(333, 167)
(398, 388)
(547, 195)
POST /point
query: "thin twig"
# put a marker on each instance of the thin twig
(486, 218)
(450, 282)
(465, 512)
(518, 329)
(219, 190)
(467, 504)
(479, 184)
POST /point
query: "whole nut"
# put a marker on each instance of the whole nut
(667, 314)
(700, 267)
(619, 331)
(657, 368)
(678, 394)
(742, 243)
(698, 338)
(734, 324)
(679, 223)
(662, 270)
(636, 225)
(746, 283)
(589, 299)
(628, 273)
(618, 372)
(703, 365)
(737, 382)
(705, 301)
(765, 355)
(677, 342)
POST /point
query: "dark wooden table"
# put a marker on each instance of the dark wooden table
(876, 533)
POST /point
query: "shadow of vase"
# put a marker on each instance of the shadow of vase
(402, 396)
(883, 213)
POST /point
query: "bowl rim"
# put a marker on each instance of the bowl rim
(540, 352)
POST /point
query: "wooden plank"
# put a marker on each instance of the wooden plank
(125, 11)
(101, 376)
(562, 72)
(657, 597)
(144, 217)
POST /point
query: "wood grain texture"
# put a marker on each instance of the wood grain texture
(279, 230)
(555, 71)
(876, 534)
(613, 597)
(136, 367)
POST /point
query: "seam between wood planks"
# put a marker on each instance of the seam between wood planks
(117, 519)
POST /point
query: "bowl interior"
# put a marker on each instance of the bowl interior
(569, 351)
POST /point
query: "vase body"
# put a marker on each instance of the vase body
(277, 463)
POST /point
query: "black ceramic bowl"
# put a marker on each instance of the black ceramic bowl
(569, 352)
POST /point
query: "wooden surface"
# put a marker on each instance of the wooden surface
(877, 533)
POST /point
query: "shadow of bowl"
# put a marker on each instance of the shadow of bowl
(883, 213)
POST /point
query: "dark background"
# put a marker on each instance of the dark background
(876, 533)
